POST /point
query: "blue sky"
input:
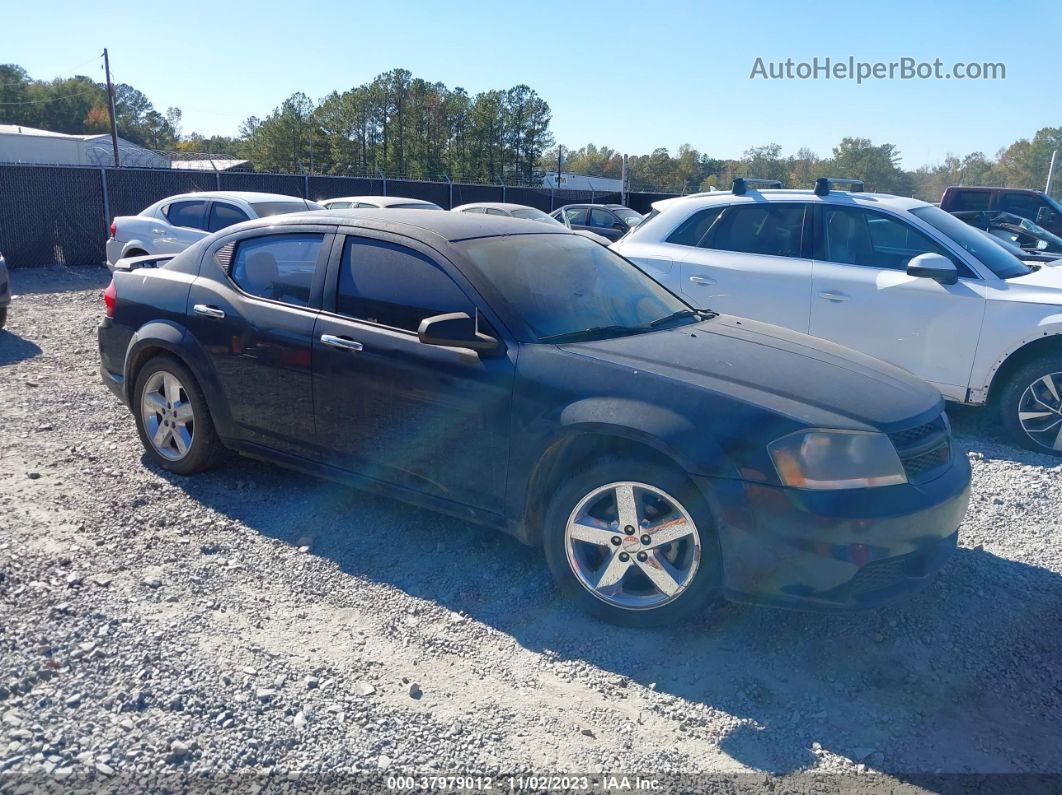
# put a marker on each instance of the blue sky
(632, 75)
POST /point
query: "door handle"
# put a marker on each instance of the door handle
(158, 231)
(208, 311)
(702, 280)
(342, 343)
(834, 296)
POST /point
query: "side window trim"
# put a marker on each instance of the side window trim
(966, 271)
(708, 239)
(313, 305)
(335, 261)
(203, 210)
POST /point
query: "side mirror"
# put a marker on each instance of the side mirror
(933, 266)
(1045, 216)
(455, 330)
(619, 227)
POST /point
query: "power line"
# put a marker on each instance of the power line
(52, 99)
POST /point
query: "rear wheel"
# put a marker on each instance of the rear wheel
(172, 417)
(1031, 406)
(632, 542)
(3, 317)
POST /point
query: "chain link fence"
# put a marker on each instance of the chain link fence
(61, 214)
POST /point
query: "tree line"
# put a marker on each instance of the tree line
(401, 125)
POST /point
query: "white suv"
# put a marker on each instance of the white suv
(895, 278)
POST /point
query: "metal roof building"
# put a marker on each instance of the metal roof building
(20, 144)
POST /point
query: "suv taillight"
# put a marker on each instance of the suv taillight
(110, 298)
(114, 229)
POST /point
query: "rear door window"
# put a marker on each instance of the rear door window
(339, 205)
(223, 215)
(279, 267)
(392, 285)
(576, 215)
(771, 229)
(187, 214)
(972, 200)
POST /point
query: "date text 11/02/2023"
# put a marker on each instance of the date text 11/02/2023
(522, 783)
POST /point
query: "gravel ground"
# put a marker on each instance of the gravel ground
(253, 621)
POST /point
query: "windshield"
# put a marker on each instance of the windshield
(266, 209)
(628, 216)
(992, 255)
(567, 288)
(532, 214)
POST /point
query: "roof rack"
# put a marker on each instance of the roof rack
(742, 184)
(823, 185)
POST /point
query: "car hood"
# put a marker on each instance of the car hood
(1042, 286)
(806, 378)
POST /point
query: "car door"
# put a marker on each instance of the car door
(863, 297)
(749, 262)
(186, 223)
(252, 309)
(604, 223)
(431, 419)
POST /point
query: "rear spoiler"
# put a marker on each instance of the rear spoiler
(146, 261)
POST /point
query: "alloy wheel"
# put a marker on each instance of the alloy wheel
(1040, 411)
(167, 414)
(632, 545)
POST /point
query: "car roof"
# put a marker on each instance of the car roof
(382, 201)
(239, 195)
(414, 223)
(496, 206)
(786, 194)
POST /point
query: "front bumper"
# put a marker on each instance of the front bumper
(837, 550)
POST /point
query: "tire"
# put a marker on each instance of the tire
(590, 499)
(3, 317)
(169, 407)
(1030, 406)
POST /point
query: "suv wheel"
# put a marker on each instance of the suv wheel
(172, 417)
(632, 542)
(1031, 406)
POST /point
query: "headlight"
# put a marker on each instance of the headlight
(836, 460)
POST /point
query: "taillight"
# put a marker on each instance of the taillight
(114, 229)
(110, 298)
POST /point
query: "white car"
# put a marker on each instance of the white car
(388, 202)
(173, 224)
(895, 278)
(527, 213)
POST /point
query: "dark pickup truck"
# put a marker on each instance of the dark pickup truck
(1034, 205)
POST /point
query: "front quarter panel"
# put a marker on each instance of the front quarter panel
(1009, 326)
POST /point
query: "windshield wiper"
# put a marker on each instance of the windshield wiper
(592, 332)
(680, 314)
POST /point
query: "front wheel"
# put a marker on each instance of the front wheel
(1031, 406)
(633, 543)
(172, 417)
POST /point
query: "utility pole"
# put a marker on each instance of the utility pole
(110, 102)
(1051, 172)
(623, 182)
(560, 158)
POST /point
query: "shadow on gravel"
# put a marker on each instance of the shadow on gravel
(977, 430)
(962, 677)
(14, 349)
(58, 279)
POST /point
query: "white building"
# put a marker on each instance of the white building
(570, 181)
(20, 144)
